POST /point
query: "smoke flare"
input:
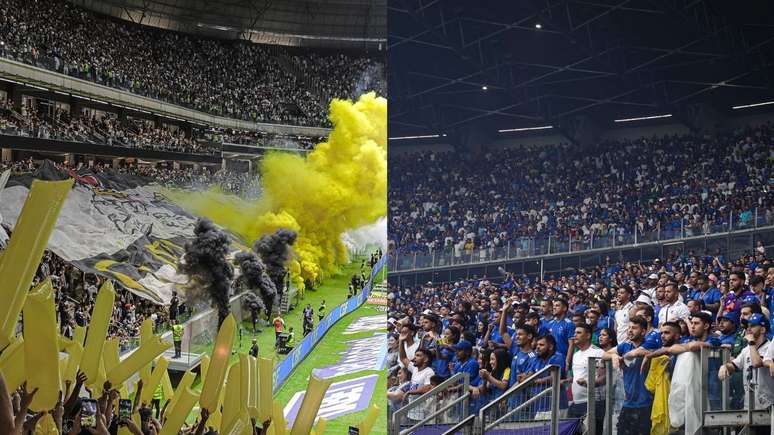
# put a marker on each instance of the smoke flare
(205, 260)
(339, 186)
(255, 278)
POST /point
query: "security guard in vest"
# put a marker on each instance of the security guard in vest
(291, 339)
(177, 336)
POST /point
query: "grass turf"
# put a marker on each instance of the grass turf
(327, 352)
(333, 290)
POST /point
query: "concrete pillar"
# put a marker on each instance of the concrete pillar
(76, 106)
(176, 165)
(116, 163)
(7, 155)
(249, 166)
(15, 96)
(223, 164)
(197, 167)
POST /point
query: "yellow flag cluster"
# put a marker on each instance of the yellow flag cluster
(35, 355)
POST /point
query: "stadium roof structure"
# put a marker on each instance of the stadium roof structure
(308, 23)
(509, 65)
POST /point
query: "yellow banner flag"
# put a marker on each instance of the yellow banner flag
(25, 249)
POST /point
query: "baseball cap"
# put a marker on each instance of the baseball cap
(652, 341)
(653, 276)
(463, 345)
(728, 316)
(645, 299)
(756, 319)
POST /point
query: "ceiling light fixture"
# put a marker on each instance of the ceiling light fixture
(509, 130)
(643, 118)
(745, 106)
(427, 136)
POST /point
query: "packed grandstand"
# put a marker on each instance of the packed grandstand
(228, 78)
(607, 190)
(502, 327)
(120, 234)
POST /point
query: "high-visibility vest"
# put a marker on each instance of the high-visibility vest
(177, 332)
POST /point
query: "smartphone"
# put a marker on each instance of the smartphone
(89, 413)
(124, 409)
(145, 415)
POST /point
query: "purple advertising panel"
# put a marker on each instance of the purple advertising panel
(363, 354)
(342, 398)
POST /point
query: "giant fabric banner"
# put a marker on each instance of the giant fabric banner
(115, 225)
(286, 366)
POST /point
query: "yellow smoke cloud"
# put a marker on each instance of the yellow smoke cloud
(339, 186)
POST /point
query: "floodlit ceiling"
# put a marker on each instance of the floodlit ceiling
(493, 64)
(311, 23)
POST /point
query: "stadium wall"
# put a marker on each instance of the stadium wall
(24, 73)
(631, 133)
(396, 150)
(732, 244)
(285, 368)
(65, 147)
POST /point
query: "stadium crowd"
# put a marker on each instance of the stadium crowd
(75, 292)
(229, 78)
(499, 333)
(668, 184)
(101, 130)
(239, 183)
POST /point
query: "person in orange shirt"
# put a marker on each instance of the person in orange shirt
(279, 325)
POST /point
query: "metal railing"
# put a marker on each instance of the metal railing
(513, 411)
(429, 410)
(531, 247)
(714, 408)
(465, 427)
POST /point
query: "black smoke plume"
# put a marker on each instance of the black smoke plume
(205, 259)
(274, 250)
(256, 279)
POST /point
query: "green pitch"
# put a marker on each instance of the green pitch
(333, 290)
(327, 352)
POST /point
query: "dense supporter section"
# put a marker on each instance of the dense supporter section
(229, 78)
(444, 202)
(499, 331)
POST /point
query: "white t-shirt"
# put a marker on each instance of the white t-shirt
(418, 379)
(410, 350)
(675, 311)
(764, 390)
(622, 323)
(580, 370)
(421, 377)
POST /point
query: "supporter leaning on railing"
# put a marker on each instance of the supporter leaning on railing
(522, 317)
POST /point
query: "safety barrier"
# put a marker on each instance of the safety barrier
(440, 407)
(284, 369)
(705, 402)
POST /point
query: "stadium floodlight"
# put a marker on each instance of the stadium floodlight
(62, 93)
(426, 136)
(509, 130)
(538, 26)
(484, 87)
(745, 106)
(37, 87)
(643, 118)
